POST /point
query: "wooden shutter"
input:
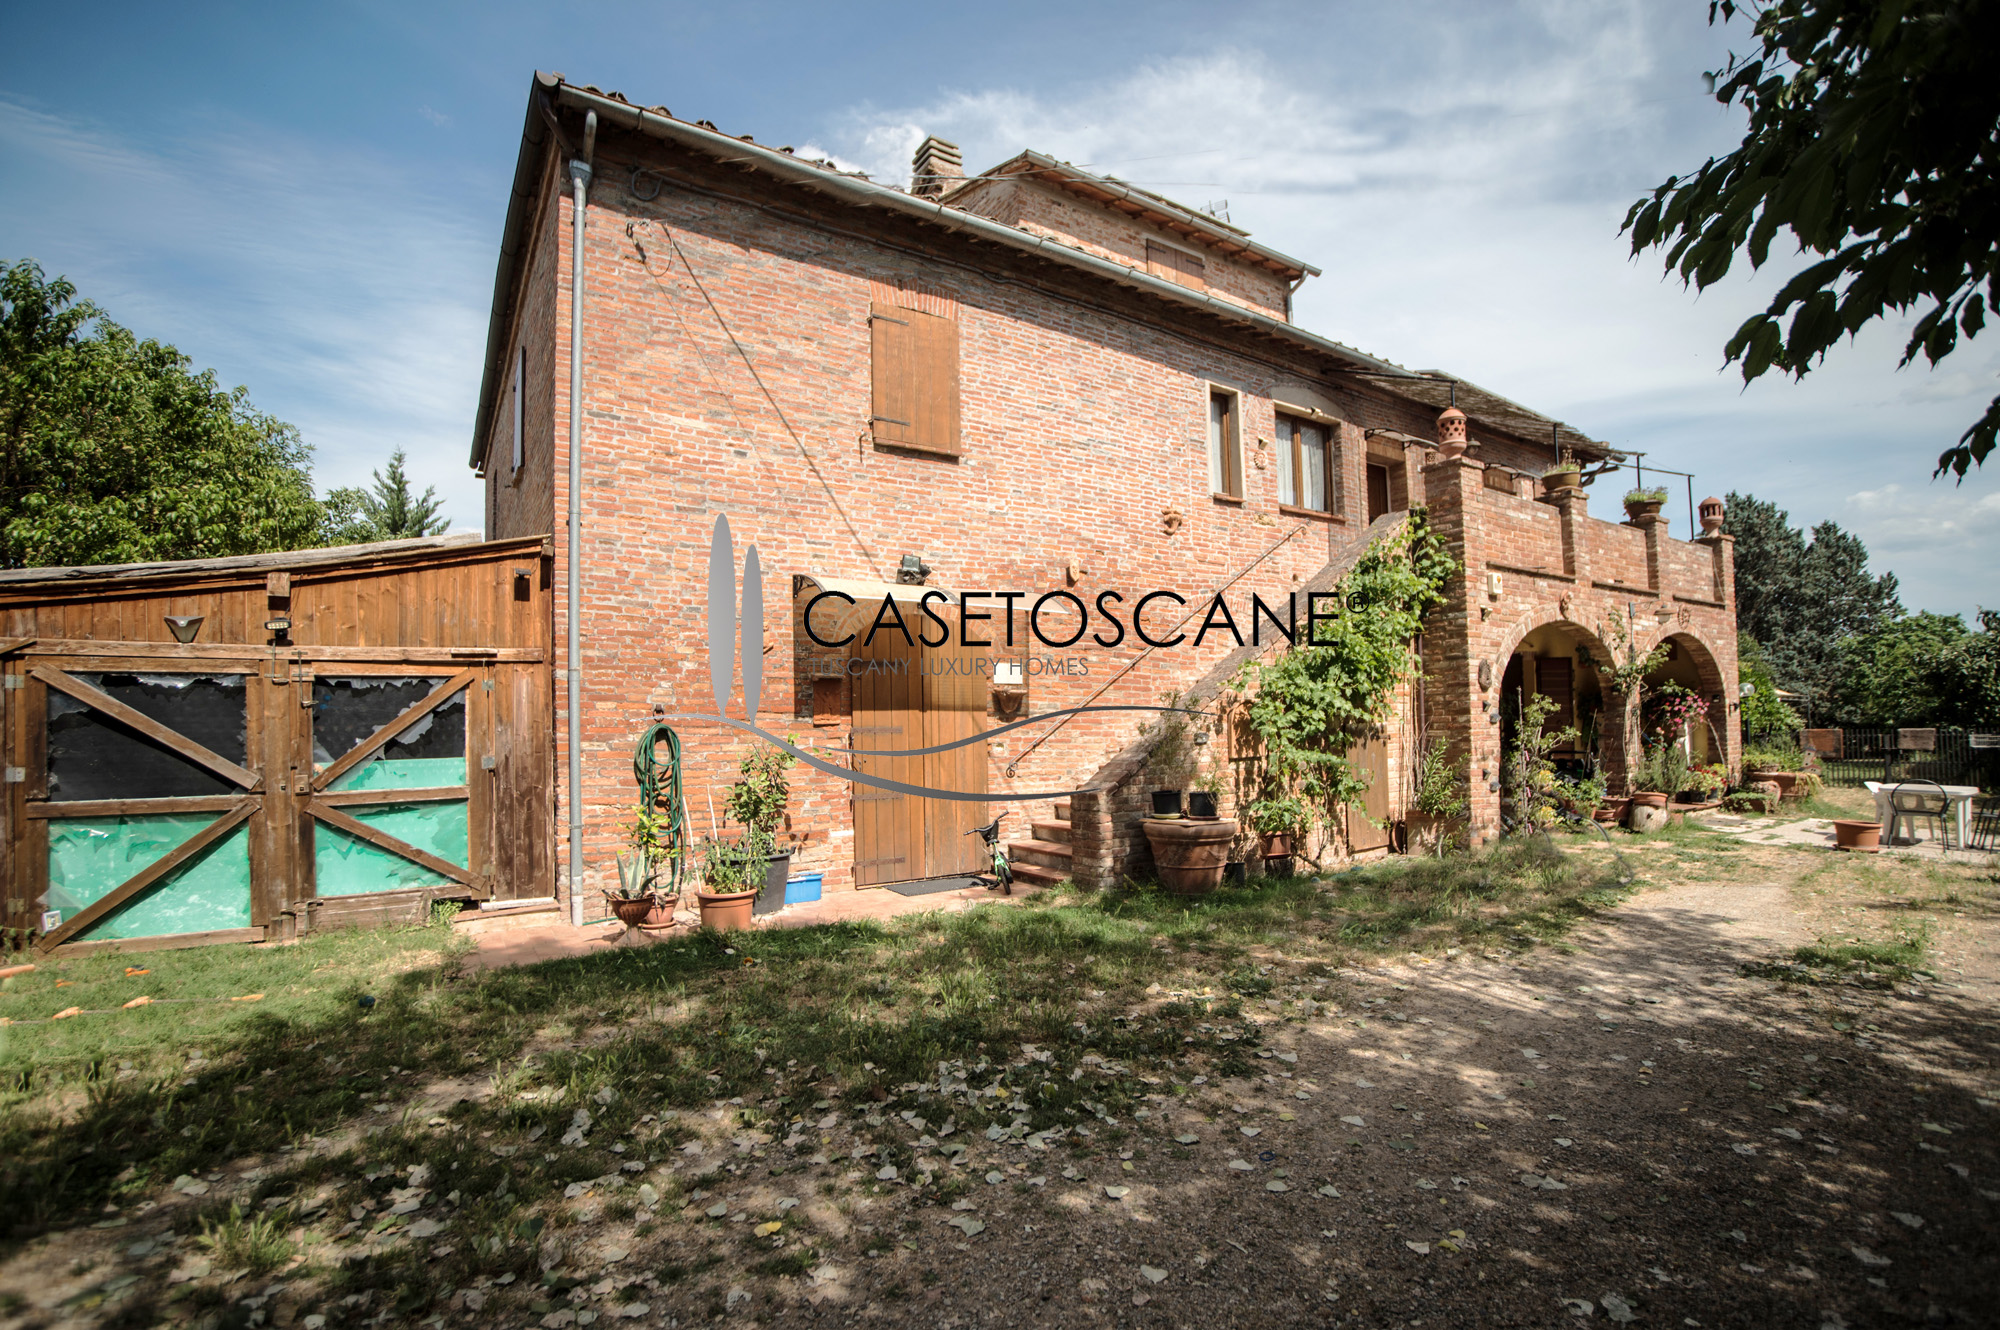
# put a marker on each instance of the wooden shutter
(915, 397)
(1176, 265)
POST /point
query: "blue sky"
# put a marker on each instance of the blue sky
(310, 201)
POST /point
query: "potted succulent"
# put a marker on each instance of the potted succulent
(758, 801)
(732, 874)
(650, 856)
(1646, 501)
(632, 900)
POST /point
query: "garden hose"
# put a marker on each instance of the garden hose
(660, 794)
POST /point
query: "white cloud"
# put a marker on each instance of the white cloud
(333, 284)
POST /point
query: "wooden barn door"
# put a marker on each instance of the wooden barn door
(396, 797)
(916, 697)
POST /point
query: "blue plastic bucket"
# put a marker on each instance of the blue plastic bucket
(803, 888)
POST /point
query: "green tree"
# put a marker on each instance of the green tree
(1891, 676)
(388, 510)
(113, 450)
(1765, 714)
(1966, 676)
(1873, 141)
(1803, 600)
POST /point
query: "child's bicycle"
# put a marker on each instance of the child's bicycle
(1002, 876)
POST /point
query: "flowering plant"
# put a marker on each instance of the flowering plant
(1672, 707)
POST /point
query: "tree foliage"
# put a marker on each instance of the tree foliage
(1764, 714)
(1874, 139)
(386, 510)
(1966, 676)
(113, 450)
(1803, 600)
(1924, 669)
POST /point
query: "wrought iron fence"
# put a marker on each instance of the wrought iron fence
(1852, 754)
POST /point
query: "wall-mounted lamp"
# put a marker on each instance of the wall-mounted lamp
(277, 625)
(912, 571)
(184, 627)
(1493, 585)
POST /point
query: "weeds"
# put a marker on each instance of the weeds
(254, 1243)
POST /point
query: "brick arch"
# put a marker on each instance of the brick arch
(1611, 736)
(1715, 685)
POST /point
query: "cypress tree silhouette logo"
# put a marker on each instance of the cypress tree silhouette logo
(734, 637)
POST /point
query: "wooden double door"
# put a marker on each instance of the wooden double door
(237, 799)
(912, 696)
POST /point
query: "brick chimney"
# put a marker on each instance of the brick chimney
(936, 168)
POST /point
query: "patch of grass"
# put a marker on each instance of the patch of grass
(239, 1241)
(1897, 957)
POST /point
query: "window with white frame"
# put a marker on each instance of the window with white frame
(1308, 473)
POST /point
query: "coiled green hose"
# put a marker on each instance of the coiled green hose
(660, 794)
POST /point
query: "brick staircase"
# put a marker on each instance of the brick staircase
(1044, 860)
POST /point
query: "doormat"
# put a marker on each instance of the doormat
(925, 886)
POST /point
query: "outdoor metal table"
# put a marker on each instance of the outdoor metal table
(1961, 797)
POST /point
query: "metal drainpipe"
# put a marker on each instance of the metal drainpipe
(579, 178)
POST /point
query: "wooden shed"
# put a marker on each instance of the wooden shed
(244, 749)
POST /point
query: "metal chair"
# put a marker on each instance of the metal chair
(1911, 803)
(1985, 828)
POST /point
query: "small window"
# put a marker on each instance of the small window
(520, 375)
(1176, 265)
(1308, 472)
(1225, 445)
(915, 380)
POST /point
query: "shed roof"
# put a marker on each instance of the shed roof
(381, 551)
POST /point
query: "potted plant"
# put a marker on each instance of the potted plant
(732, 874)
(1203, 801)
(1565, 474)
(1580, 795)
(1645, 501)
(758, 801)
(632, 900)
(1280, 820)
(1704, 783)
(650, 856)
(1660, 772)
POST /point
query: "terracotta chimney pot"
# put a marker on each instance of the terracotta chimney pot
(1711, 515)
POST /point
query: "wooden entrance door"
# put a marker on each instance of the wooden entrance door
(1372, 760)
(908, 697)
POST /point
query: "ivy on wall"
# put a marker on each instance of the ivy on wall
(1315, 702)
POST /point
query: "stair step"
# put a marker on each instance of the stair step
(1038, 875)
(1051, 830)
(1062, 810)
(1049, 854)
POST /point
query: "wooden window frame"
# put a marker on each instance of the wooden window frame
(1177, 265)
(1231, 461)
(1285, 425)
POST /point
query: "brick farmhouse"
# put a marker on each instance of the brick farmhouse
(1034, 391)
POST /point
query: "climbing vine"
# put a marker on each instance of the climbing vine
(1321, 698)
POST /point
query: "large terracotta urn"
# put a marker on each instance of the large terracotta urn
(1190, 855)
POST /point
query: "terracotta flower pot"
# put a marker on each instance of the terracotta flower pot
(1554, 482)
(1861, 837)
(661, 915)
(1277, 845)
(1636, 509)
(1190, 856)
(1649, 799)
(726, 910)
(631, 912)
